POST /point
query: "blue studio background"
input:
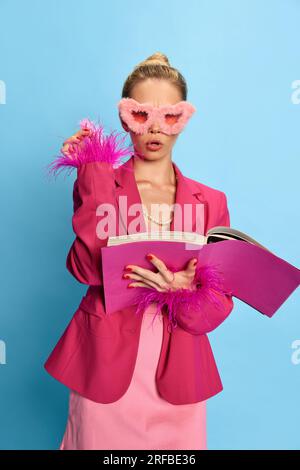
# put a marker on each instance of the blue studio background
(63, 60)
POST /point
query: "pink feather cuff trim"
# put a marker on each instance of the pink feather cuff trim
(208, 282)
(96, 147)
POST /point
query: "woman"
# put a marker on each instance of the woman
(134, 383)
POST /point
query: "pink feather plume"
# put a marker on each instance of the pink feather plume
(96, 147)
(207, 280)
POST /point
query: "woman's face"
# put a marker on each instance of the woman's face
(158, 92)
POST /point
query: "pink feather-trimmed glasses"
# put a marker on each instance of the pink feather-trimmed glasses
(140, 116)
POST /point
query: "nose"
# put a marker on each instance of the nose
(155, 127)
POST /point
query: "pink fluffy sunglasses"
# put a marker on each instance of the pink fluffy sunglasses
(140, 116)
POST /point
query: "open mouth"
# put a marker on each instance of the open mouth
(154, 142)
(154, 146)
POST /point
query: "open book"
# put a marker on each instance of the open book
(215, 234)
(251, 272)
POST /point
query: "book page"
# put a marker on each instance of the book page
(166, 235)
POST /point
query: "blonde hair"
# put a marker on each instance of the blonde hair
(155, 66)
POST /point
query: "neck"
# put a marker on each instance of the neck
(161, 172)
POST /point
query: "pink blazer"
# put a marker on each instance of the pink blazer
(96, 353)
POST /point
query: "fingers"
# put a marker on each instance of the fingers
(74, 140)
(83, 133)
(143, 284)
(141, 278)
(162, 268)
(77, 137)
(191, 266)
(148, 275)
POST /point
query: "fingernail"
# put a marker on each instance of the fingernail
(126, 276)
(129, 285)
(149, 257)
(128, 269)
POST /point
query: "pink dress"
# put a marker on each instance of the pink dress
(140, 419)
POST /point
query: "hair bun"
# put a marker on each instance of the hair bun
(156, 66)
(156, 58)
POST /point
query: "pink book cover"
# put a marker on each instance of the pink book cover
(252, 274)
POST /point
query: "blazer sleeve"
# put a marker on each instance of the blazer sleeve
(95, 159)
(94, 185)
(217, 305)
(224, 217)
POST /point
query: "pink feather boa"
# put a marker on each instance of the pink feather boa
(207, 280)
(96, 147)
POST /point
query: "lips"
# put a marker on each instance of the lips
(155, 141)
(152, 146)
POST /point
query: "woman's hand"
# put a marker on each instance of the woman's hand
(75, 139)
(164, 279)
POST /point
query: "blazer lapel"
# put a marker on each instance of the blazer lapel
(191, 208)
(127, 194)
